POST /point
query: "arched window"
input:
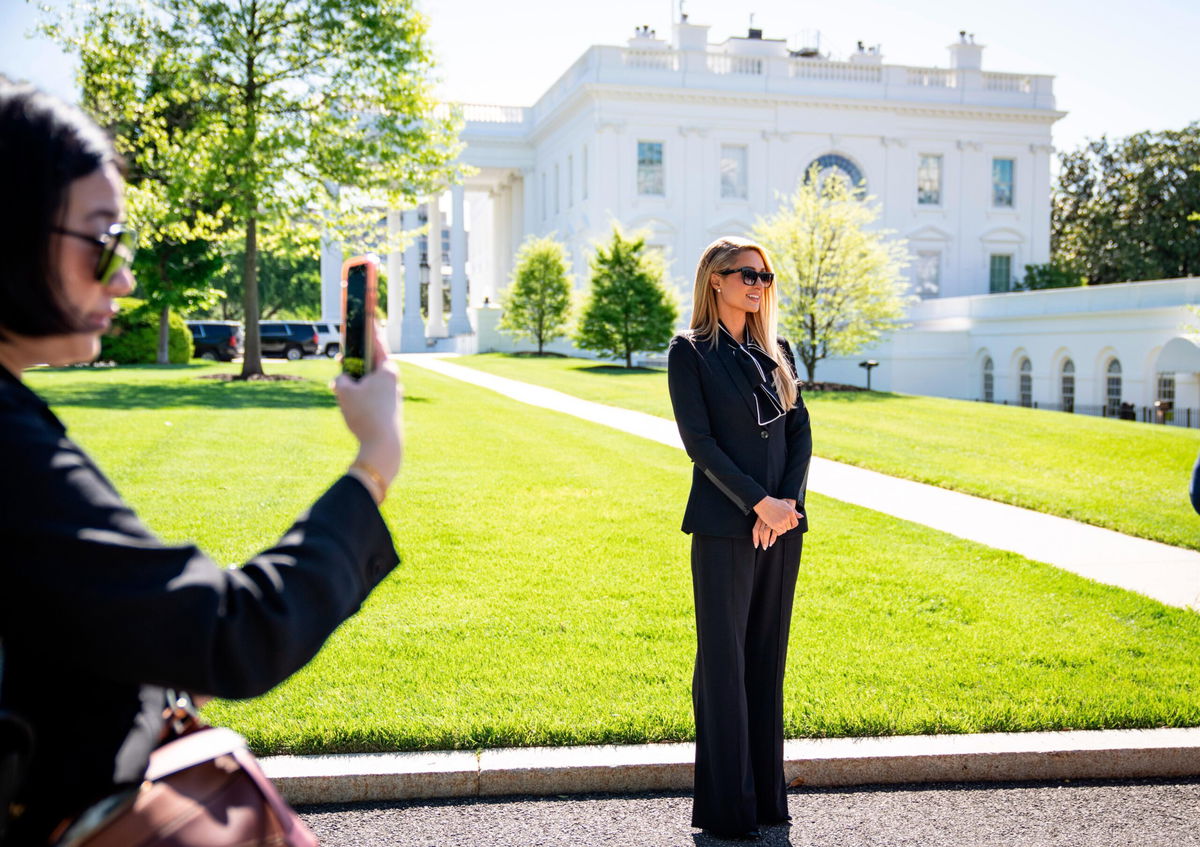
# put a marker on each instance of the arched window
(1165, 395)
(832, 163)
(1068, 386)
(1026, 382)
(1112, 390)
(989, 381)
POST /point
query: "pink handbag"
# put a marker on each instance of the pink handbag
(203, 789)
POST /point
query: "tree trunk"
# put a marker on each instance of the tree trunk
(252, 360)
(164, 336)
(811, 367)
(628, 358)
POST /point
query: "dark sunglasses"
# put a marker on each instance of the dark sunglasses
(751, 276)
(117, 247)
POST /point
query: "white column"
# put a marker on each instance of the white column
(436, 327)
(395, 275)
(460, 324)
(331, 280)
(412, 330)
(504, 234)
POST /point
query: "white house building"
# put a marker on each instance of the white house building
(687, 139)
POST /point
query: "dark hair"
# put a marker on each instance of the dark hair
(45, 145)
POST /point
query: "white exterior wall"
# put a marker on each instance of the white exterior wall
(943, 350)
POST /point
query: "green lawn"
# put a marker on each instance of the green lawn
(1131, 477)
(544, 596)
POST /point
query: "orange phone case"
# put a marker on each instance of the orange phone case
(352, 365)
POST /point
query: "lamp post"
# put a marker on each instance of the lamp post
(868, 364)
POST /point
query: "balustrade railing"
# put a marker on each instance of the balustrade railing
(1020, 83)
(486, 113)
(720, 63)
(658, 60)
(835, 71)
(932, 78)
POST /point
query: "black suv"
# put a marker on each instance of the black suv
(216, 340)
(292, 339)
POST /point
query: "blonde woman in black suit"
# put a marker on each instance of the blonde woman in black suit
(745, 428)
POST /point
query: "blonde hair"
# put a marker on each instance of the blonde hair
(762, 324)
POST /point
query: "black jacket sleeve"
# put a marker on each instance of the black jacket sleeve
(685, 381)
(1195, 489)
(798, 428)
(84, 577)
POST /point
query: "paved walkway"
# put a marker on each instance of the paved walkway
(1169, 574)
(1155, 813)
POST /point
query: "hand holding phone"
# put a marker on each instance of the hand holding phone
(360, 288)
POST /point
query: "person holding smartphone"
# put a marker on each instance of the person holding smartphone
(97, 615)
(745, 428)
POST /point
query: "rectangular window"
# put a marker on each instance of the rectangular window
(1002, 183)
(733, 172)
(929, 181)
(583, 175)
(929, 273)
(650, 168)
(570, 181)
(1000, 273)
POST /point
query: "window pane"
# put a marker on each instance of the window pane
(929, 273)
(929, 181)
(650, 168)
(1002, 182)
(989, 381)
(1026, 387)
(1113, 387)
(1000, 273)
(1068, 386)
(733, 171)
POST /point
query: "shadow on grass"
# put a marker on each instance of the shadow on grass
(849, 396)
(615, 370)
(197, 393)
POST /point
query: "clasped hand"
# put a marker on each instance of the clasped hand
(775, 517)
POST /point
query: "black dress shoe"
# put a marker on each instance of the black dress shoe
(744, 835)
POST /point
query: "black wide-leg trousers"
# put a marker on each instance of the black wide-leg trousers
(743, 613)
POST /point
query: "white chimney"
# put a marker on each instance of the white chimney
(965, 54)
(690, 36)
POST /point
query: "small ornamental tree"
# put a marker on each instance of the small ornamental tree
(840, 283)
(537, 305)
(628, 308)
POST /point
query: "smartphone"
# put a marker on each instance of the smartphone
(360, 288)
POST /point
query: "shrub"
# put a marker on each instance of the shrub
(133, 339)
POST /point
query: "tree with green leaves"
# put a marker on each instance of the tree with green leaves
(300, 115)
(537, 304)
(840, 282)
(629, 307)
(1122, 210)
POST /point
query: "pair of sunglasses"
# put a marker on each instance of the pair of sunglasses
(751, 276)
(117, 247)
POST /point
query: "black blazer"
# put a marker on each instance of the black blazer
(736, 460)
(97, 614)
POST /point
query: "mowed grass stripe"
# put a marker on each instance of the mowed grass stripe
(545, 596)
(1130, 477)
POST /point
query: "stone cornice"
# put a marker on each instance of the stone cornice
(906, 107)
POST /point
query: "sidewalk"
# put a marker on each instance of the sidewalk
(821, 762)
(1168, 574)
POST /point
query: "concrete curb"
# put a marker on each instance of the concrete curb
(995, 757)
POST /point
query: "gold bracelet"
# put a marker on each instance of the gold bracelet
(375, 476)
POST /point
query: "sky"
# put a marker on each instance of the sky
(1121, 67)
